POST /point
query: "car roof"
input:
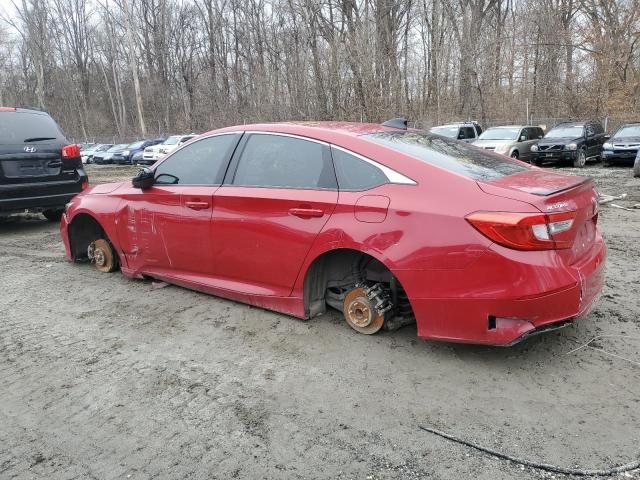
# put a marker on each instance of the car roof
(630, 124)
(572, 124)
(512, 126)
(326, 131)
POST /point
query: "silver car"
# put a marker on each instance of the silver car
(512, 140)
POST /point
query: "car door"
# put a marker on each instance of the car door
(278, 194)
(172, 220)
(591, 140)
(529, 139)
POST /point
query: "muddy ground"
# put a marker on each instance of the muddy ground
(104, 377)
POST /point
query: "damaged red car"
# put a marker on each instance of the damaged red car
(385, 224)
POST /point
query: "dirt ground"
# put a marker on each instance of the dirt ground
(104, 377)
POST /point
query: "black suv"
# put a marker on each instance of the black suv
(576, 142)
(39, 170)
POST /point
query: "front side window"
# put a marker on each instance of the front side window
(201, 163)
(285, 162)
(450, 155)
(356, 174)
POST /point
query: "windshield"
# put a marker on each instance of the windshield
(172, 140)
(454, 156)
(574, 131)
(450, 131)
(136, 144)
(501, 133)
(118, 148)
(18, 127)
(630, 131)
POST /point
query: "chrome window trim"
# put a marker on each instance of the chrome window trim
(393, 176)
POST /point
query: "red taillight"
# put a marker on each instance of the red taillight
(526, 231)
(70, 151)
(84, 185)
(7, 109)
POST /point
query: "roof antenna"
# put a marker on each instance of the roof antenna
(400, 123)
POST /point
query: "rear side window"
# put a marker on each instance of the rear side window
(467, 132)
(449, 155)
(356, 174)
(200, 163)
(285, 162)
(18, 127)
(478, 129)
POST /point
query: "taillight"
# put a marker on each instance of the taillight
(70, 151)
(526, 231)
(84, 185)
(7, 109)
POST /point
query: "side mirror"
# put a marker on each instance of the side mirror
(540, 137)
(144, 179)
(461, 136)
(523, 138)
(607, 136)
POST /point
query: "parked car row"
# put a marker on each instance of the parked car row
(153, 153)
(143, 152)
(574, 142)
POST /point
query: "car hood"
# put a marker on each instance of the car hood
(104, 188)
(535, 181)
(493, 143)
(559, 141)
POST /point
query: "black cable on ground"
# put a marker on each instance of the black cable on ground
(540, 466)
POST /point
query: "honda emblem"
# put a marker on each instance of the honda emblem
(30, 149)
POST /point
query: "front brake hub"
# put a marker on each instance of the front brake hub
(101, 254)
(360, 312)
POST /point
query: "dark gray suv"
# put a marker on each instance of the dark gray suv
(40, 171)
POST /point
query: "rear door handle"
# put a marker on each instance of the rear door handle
(306, 212)
(197, 205)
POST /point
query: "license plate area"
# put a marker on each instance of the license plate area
(31, 168)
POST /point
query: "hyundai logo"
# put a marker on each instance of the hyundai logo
(30, 149)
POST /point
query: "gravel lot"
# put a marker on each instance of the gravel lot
(104, 377)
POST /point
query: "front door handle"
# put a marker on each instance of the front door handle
(306, 212)
(197, 205)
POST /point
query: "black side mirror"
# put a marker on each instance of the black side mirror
(144, 179)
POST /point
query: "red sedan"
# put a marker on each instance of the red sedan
(385, 224)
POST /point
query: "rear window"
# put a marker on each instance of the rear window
(18, 127)
(449, 155)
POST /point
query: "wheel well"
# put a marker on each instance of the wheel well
(342, 269)
(83, 230)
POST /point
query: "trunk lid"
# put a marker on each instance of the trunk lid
(33, 162)
(550, 193)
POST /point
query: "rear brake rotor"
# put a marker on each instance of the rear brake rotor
(101, 253)
(360, 313)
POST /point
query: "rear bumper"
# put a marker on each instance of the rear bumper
(563, 297)
(38, 196)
